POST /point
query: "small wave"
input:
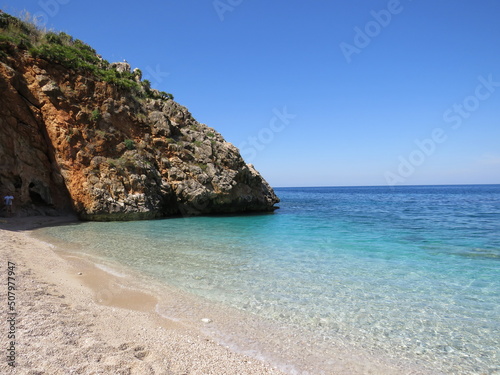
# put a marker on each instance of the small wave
(48, 244)
(110, 270)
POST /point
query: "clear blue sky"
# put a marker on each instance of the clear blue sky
(318, 92)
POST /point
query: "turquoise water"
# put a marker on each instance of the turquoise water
(412, 272)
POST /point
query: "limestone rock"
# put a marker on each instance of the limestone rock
(27, 169)
(71, 142)
(121, 67)
(51, 88)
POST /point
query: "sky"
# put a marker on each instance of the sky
(318, 93)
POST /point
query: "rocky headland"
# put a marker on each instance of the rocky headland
(80, 134)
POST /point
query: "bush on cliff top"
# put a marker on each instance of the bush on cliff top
(61, 48)
(15, 34)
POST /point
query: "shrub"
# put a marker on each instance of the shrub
(146, 84)
(7, 45)
(53, 38)
(70, 57)
(71, 53)
(129, 144)
(95, 115)
(122, 80)
(14, 26)
(15, 33)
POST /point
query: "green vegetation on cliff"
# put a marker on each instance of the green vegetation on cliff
(79, 133)
(17, 35)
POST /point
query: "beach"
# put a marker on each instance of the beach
(328, 212)
(75, 316)
(60, 328)
(334, 283)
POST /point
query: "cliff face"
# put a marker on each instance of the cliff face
(69, 141)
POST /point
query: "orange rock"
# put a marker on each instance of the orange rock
(71, 142)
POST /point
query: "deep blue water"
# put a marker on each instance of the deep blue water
(410, 271)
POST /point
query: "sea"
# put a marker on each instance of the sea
(338, 280)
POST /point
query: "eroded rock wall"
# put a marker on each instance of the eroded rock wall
(28, 168)
(71, 141)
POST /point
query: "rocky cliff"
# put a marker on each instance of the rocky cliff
(78, 133)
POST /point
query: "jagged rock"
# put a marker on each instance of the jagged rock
(137, 74)
(69, 141)
(160, 124)
(51, 88)
(121, 67)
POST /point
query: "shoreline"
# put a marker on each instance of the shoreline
(194, 336)
(60, 328)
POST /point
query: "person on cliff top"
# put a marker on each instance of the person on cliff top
(8, 203)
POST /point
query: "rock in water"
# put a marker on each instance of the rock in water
(111, 149)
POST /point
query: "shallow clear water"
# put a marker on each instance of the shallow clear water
(413, 272)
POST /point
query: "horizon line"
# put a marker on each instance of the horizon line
(388, 186)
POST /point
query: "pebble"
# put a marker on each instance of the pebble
(206, 320)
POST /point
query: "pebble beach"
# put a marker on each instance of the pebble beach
(60, 328)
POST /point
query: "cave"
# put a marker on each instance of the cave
(37, 199)
(39, 194)
(18, 182)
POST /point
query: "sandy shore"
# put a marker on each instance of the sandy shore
(76, 316)
(60, 328)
